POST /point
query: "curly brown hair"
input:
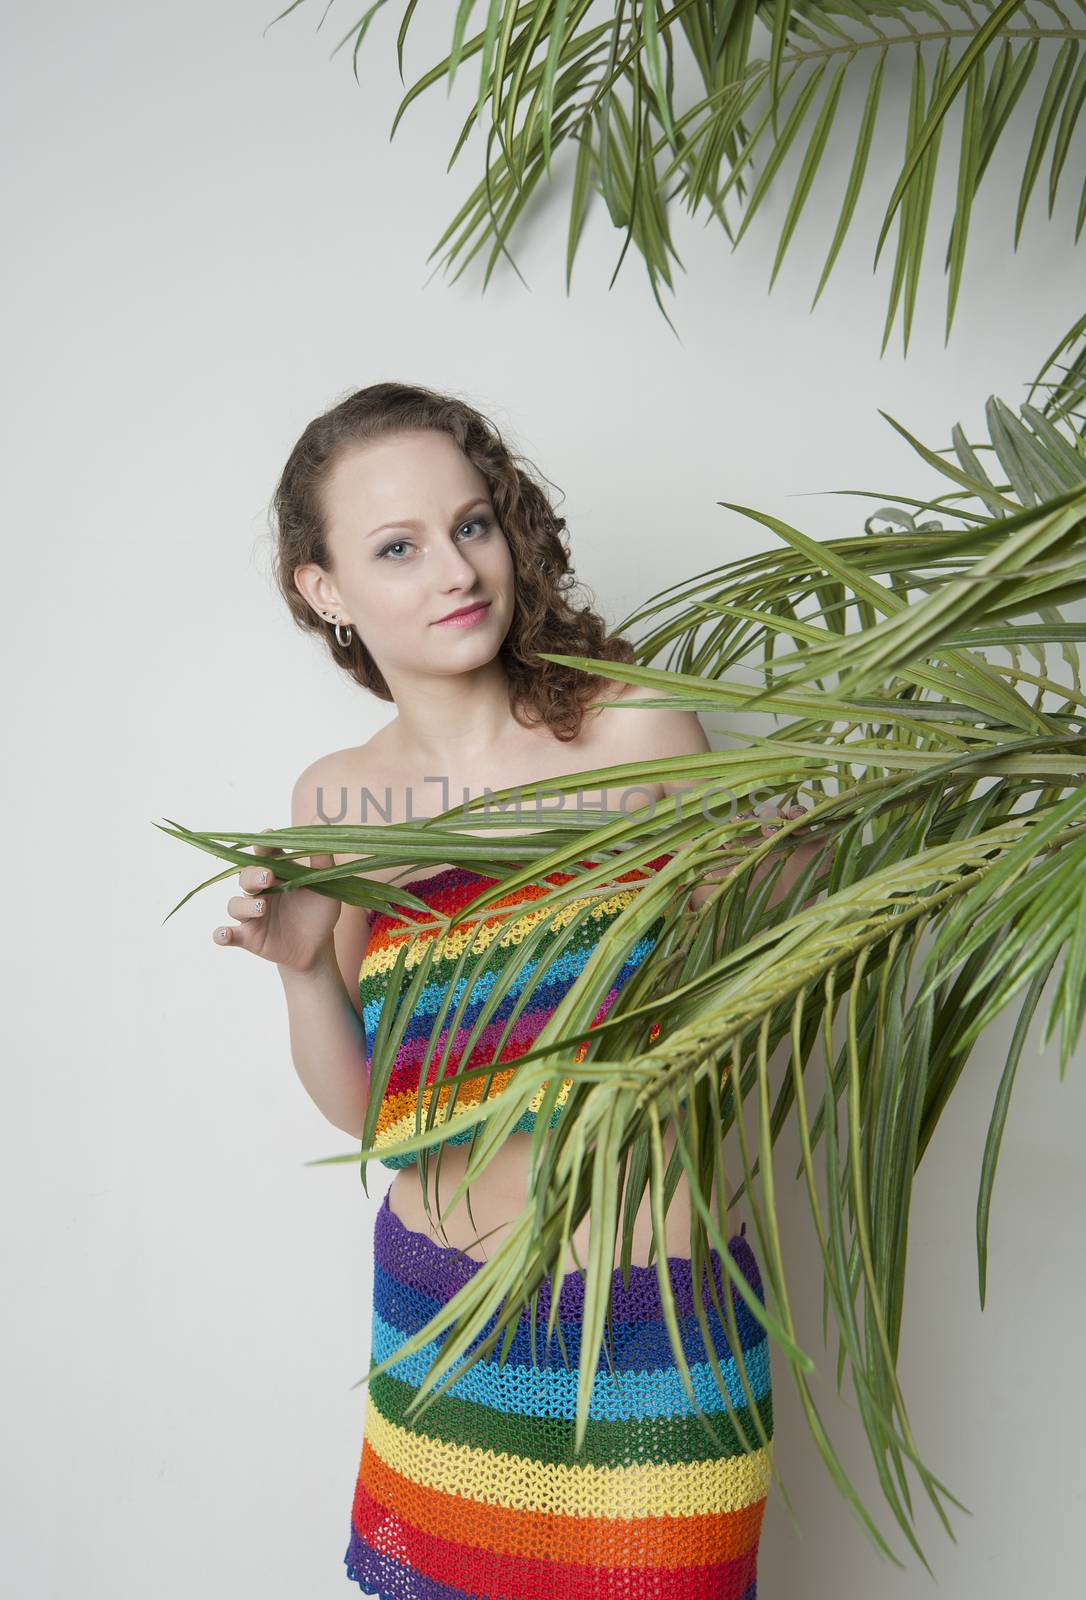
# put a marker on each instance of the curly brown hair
(543, 618)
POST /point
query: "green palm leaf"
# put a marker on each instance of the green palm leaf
(1069, 390)
(547, 74)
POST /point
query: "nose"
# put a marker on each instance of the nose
(454, 570)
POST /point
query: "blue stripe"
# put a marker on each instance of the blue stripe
(551, 1391)
(559, 975)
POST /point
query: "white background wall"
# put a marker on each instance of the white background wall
(210, 239)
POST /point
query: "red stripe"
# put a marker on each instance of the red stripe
(526, 1578)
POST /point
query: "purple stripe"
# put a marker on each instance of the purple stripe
(438, 1271)
(391, 1580)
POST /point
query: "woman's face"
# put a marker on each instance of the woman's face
(412, 536)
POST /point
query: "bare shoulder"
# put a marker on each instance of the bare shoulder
(633, 732)
(323, 791)
(318, 789)
(317, 798)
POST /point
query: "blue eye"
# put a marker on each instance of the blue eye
(483, 523)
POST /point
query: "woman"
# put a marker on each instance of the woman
(430, 559)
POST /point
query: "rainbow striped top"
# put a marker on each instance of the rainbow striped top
(509, 1031)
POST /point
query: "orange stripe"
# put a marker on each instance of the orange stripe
(470, 1093)
(663, 1541)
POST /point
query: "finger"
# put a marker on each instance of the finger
(245, 908)
(228, 935)
(768, 827)
(789, 814)
(751, 816)
(266, 849)
(253, 879)
(260, 878)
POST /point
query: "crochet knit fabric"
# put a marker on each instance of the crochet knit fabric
(483, 1495)
(491, 941)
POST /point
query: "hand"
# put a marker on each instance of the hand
(292, 928)
(789, 813)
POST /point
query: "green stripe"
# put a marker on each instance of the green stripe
(664, 1440)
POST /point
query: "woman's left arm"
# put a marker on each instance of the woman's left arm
(797, 858)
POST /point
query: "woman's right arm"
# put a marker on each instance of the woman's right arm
(316, 944)
(327, 1044)
(327, 1038)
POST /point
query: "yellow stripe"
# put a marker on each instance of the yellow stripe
(508, 932)
(403, 1125)
(498, 1477)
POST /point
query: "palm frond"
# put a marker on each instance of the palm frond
(1068, 392)
(772, 77)
(951, 782)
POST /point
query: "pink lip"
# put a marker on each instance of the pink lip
(466, 615)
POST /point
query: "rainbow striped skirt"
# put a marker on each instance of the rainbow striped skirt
(483, 1495)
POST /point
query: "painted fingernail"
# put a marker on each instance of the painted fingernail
(258, 906)
(223, 934)
(264, 876)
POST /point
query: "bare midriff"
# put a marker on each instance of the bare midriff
(500, 1193)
